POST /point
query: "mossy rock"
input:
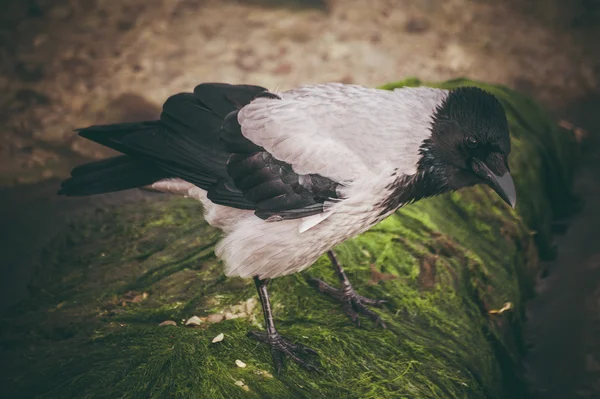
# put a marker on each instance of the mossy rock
(91, 326)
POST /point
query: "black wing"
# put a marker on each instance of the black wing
(198, 139)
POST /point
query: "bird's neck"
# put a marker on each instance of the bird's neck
(411, 188)
(432, 178)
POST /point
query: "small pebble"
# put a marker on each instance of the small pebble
(236, 309)
(240, 364)
(218, 338)
(251, 305)
(193, 321)
(244, 386)
(264, 373)
(230, 316)
(215, 318)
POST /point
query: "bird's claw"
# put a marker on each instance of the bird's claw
(281, 347)
(353, 304)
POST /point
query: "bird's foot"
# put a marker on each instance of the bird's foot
(353, 303)
(281, 347)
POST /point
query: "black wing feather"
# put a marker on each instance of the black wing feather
(276, 189)
(198, 139)
(222, 98)
(110, 175)
(232, 138)
(225, 193)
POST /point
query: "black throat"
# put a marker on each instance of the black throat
(432, 178)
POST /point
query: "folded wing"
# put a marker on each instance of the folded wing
(343, 132)
(198, 139)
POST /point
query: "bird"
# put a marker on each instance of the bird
(287, 176)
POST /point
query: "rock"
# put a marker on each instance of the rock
(240, 364)
(134, 297)
(264, 373)
(239, 308)
(242, 385)
(168, 323)
(193, 321)
(218, 338)
(139, 298)
(251, 305)
(230, 316)
(215, 318)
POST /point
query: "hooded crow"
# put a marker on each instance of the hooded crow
(288, 176)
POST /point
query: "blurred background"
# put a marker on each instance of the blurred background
(72, 63)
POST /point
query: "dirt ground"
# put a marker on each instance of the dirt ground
(71, 63)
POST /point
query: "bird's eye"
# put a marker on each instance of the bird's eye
(472, 141)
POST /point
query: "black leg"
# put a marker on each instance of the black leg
(280, 346)
(352, 302)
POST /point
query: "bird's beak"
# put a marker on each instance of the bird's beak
(502, 185)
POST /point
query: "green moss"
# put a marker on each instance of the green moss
(455, 257)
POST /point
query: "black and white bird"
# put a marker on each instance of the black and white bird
(288, 176)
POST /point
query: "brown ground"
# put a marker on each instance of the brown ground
(70, 63)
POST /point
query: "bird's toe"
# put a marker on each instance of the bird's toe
(281, 347)
(373, 302)
(362, 308)
(277, 357)
(259, 336)
(349, 309)
(303, 349)
(325, 288)
(353, 304)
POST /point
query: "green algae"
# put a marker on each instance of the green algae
(454, 258)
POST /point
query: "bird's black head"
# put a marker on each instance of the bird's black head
(469, 144)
